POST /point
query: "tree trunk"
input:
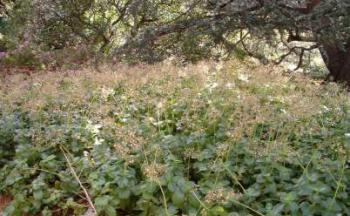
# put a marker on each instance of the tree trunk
(338, 63)
(337, 58)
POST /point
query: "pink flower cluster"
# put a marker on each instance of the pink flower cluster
(2, 54)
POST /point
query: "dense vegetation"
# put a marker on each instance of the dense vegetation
(108, 108)
(211, 139)
(152, 30)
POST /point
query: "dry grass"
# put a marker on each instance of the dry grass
(300, 96)
(259, 104)
(258, 94)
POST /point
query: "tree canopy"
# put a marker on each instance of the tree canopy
(152, 30)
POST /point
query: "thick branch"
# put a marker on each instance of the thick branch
(310, 5)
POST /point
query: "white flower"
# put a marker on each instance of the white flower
(124, 120)
(106, 92)
(219, 66)
(37, 84)
(93, 128)
(86, 154)
(157, 124)
(179, 126)
(243, 77)
(230, 85)
(133, 107)
(281, 99)
(283, 111)
(325, 109)
(211, 86)
(290, 66)
(160, 105)
(98, 141)
(278, 99)
(214, 85)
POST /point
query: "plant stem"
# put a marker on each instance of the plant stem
(78, 180)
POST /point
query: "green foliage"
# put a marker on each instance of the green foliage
(192, 30)
(23, 58)
(174, 146)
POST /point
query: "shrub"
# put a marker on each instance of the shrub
(202, 140)
(25, 58)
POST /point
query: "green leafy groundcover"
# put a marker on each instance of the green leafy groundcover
(171, 158)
